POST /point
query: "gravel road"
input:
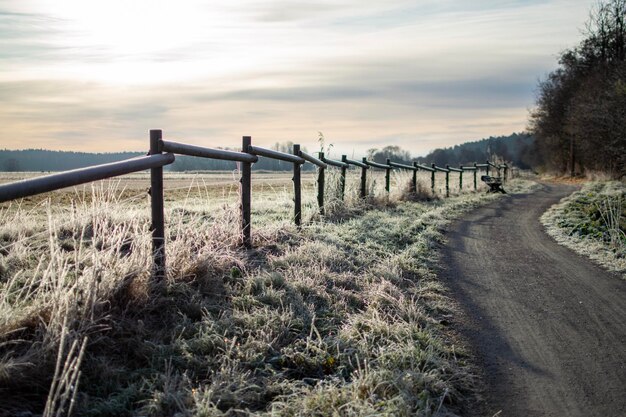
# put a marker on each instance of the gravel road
(547, 326)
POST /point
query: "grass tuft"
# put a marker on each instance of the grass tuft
(592, 222)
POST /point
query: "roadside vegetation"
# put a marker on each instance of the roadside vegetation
(341, 317)
(592, 222)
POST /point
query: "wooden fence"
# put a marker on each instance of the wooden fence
(162, 153)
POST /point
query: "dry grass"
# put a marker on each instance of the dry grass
(592, 222)
(341, 317)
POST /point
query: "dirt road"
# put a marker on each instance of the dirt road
(548, 327)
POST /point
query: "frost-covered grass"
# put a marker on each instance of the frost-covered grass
(592, 222)
(341, 317)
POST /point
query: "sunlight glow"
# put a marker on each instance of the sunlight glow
(362, 71)
(141, 41)
(134, 27)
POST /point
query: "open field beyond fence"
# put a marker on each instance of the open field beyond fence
(222, 187)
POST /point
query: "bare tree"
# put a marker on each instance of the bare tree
(580, 119)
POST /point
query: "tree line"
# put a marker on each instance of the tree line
(44, 160)
(34, 160)
(580, 116)
(515, 149)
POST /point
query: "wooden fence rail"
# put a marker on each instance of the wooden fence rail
(202, 152)
(44, 184)
(162, 152)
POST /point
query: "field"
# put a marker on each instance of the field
(343, 316)
(222, 186)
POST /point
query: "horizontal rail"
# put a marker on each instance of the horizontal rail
(424, 167)
(403, 166)
(312, 159)
(33, 186)
(270, 153)
(202, 152)
(468, 168)
(492, 164)
(335, 163)
(440, 169)
(357, 163)
(453, 169)
(377, 165)
(481, 165)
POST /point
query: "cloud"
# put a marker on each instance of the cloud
(24, 25)
(23, 37)
(289, 12)
(366, 73)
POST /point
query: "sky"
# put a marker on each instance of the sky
(96, 76)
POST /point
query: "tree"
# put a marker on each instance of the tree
(579, 116)
(392, 152)
(11, 165)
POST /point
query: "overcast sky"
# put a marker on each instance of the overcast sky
(91, 75)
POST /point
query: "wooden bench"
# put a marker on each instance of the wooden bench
(494, 183)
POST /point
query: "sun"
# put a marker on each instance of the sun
(127, 43)
(124, 27)
(136, 41)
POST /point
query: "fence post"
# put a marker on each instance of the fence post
(158, 216)
(461, 179)
(297, 187)
(448, 181)
(246, 191)
(506, 168)
(487, 169)
(320, 185)
(475, 173)
(432, 178)
(343, 176)
(414, 181)
(387, 176)
(363, 179)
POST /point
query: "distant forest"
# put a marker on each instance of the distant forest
(514, 149)
(43, 160)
